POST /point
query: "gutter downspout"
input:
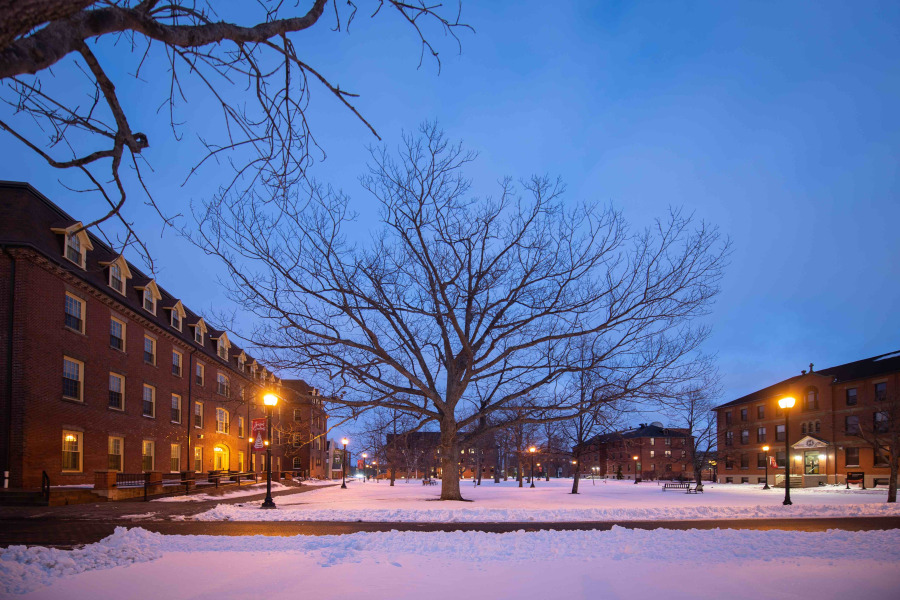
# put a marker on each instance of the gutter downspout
(7, 454)
(189, 409)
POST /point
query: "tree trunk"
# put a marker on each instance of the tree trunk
(449, 462)
(892, 482)
(497, 467)
(393, 474)
(577, 473)
(519, 469)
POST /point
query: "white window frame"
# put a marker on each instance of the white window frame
(148, 295)
(144, 445)
(175, 319)
(152, 389)
(223, 385)
(124, 325)
(78, 438)
(202, 368)
(80, 249)
(121, 379)
(198, 334)
(180, 356)
(222, 425)
(113, 268)
(195, 414)
(82, 309)
(240, 427)
(154, 352)
(80, 379)
(172, 407)
(121, 455)
(175, 455)
(198, 459)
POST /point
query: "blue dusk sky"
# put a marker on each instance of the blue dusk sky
(778, 122)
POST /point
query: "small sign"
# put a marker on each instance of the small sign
(258, 430)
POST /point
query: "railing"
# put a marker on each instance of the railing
(45, 486)
(230, 477)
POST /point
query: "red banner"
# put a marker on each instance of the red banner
(258, 431)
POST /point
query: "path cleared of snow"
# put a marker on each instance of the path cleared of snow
(250, 490)
(620, 563)
(551, 501)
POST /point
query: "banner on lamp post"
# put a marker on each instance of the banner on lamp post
(258, 431)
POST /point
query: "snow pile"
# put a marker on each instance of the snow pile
(251, 490)
(23, 568)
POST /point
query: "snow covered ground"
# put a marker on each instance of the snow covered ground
(620, 563)
(551, 501)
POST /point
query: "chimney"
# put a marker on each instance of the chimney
(803, 371)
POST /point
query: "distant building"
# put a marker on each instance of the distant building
(833, 407)
(649, 451)
(305, 428)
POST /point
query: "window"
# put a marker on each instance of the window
(668, 441)
(241, 462)
(199, 373)
(240, 426)
(652, 441)
(745, 461)
(298, 463)
(71, 451)
(176, 320)
(850, 394)
(745, 436)
(222, 423)
(818, 426)
(761, 412)
(745, 480)
(176, 408)
(779, 433)
(760, 434)
(117, 334)
(176, 362)
(74, 313)
(198, 458)
(175, 454)
(116, 391)
(851, 425)
(761, 460)
(880, 422)
(729, 480)
(115, 278)
(223, 387)
(881, 459)
(198, 334)
(668, 453)
(729, 463)
(149, 401)
(114, 453)
(745, 414)
(812, 400)
(149, 301)
(727, 418)
(803, 428)
(148, 455)
(881, 391)
(779, 459)
(652, 453)
(851, 457)
(296, 440)
(73, 382)
(198, 415)
(149, 350)
(74, 250)
(729, 438)
(298, 415)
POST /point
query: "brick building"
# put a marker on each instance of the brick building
(105, 370)
(832, 407)
(306, 426)
(662, 453)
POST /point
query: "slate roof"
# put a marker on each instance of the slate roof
(860, 369)
(26, 220)
(642, 431)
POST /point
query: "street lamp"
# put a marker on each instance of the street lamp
(766, 450)
(635, 458)
(786, 403)
(270, 400)
(344, 441)
(375, 470)
(365, 455)
(532, 450)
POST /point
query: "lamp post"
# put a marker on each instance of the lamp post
(766, 450)
(532, 450)
(375, 470)
(635, 458)
(594, 477)
(270, 400)
(365, 455)
(344, 441)
(786, 403)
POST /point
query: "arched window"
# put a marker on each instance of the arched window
(803, 428)
(818, 426)
(812, 399)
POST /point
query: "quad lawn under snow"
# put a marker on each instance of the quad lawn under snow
(551, 501)
(620, 563)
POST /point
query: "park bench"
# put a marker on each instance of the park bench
(856, 477)
(429, 481)
(881, 481)
(695, 489)
(676, 486)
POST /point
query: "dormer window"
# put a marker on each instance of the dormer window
(149, 295)
(222, 346)
(115, 278)
(176, 318)
(149, 301)
(198, 335)
(73, 250)
(241, 360)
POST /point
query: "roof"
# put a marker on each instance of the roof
(26, 220)
(860, 369)
(643, 431)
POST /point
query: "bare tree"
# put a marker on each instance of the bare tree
(691, 409)
(882, 434)
(60, 64)
(462, 308)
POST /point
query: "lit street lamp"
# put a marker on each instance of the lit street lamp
(270, 400)
(635, 468)
(532, 450)
(375, 470)
(786, 403)
(344, 441)
(365, 455)
(766, 450)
